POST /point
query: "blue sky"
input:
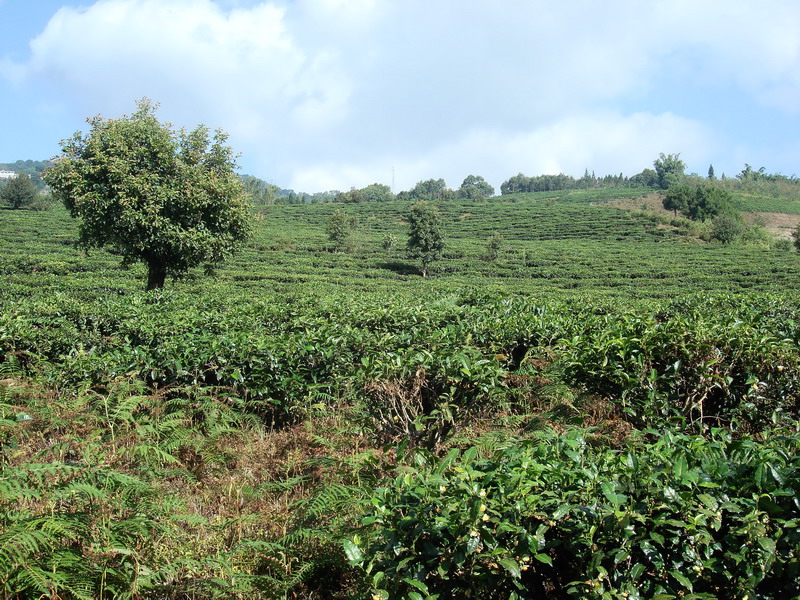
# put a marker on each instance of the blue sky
(331, 94)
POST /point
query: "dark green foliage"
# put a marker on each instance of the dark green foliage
(253, 413)
(340, 228)
(541, 183)
(494, 245)
(548, 183)
(668, 515)
(18, 192)
(727, 227)
(648, 178)
(168, 199)
(428, 190)
(475, 187)
(703, 361)
(376, 192)
(425, 236)
(669, 170)
(697, 202)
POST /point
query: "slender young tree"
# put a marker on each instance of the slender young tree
(340, 230)
(425, 238)
(170, 199)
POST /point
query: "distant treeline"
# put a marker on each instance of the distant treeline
(473, 187)
(549, 183)
(32, 168)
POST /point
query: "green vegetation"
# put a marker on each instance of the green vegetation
(31, 168)
(425, 237)
(168, 199)
(697, 202)
(340, 231)
(607, 408)
(669, 170)
(18, 192)
(475, 187)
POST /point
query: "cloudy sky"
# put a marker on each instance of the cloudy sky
(331, 94)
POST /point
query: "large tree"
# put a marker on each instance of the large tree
(698, 202)
(167, 198)
(475, 187)
(430, 189)
(18, 191)
(669, 170)
(425, 238)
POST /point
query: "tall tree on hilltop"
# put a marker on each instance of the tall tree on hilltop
(475, 187)
(669, 169)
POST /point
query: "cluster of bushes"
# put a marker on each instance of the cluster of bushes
(705, 359)
(671, 515)
(683, 507)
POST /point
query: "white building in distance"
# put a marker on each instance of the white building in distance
(7, 174)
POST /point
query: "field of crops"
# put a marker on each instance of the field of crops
(608, 409)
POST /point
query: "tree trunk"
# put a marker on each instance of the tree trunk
(156, 274)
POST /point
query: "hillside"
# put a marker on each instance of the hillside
(606, 409)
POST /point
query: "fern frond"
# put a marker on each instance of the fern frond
(331, 499)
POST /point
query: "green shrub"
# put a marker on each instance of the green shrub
(670, 516)
(710, 364)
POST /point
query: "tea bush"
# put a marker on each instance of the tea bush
(671, 515)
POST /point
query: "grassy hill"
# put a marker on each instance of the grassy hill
(606, 410)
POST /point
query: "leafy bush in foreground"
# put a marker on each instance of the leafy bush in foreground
(670, 516)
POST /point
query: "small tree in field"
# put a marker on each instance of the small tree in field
(167, 198)
(493, 246)
(340, 230)
(425, 239)
(388, 242)
(19, 191)
(796, 236)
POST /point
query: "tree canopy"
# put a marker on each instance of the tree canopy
(425, 238)
(167, 198)
(18, 191)
(475, 187)
(697, 202)
(376, 192)
(669, 170)
(429, 189)
(340, 230)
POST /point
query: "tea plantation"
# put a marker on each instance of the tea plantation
(607, 408)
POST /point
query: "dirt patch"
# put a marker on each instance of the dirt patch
(781, 225)
(653, 202)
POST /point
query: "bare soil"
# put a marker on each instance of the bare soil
(780, 225)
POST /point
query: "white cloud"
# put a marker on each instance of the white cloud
(240, 67)
(321, 94)
(607, 143)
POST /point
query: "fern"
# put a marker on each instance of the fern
(331, 500)
(86, 541)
